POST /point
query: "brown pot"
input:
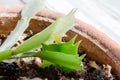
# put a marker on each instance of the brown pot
(97, 45)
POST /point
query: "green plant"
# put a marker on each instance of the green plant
(62, 54)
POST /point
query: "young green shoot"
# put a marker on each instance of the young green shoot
(64, 54)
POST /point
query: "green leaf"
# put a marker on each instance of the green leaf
(61, 59)
(82, 57)
(67, 47)
(5, 54)
(23, 55)
(46, 64)
(60, 26)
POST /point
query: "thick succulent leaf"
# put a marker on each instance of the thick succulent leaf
(67, 47)
(62, 59)
(46, 63)
(32, 7)
(60, 26)
(5, 54)
(28, 11)
(23, 55)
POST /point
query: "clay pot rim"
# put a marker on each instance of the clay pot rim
(101, 40)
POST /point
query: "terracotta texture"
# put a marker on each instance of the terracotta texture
(96, 44)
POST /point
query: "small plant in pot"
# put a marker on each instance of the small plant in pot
(54, 59)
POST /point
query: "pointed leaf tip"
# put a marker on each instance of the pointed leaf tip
(72, 40)
(73, 11)
(82, 57)
(77, 44)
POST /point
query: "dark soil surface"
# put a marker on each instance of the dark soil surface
(21, 70)
(16, 70)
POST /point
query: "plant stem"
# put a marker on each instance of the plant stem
(5, 55)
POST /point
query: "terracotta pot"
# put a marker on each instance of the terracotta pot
(95, 43)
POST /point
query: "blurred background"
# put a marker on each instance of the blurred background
(102, 14)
